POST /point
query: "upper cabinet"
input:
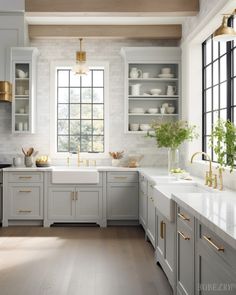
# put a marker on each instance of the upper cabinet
(152, 86)
(23, 77)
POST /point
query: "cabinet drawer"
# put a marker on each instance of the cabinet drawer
(143, 184)
(122, 177)
(26, 202)
(185, 217)
(25, 177)
(215, 245)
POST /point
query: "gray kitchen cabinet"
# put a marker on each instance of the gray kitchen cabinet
(122, 201)
(151, 216)
(143, 201)
(165, 246)
(185, 256)
(122, 196)
(61, 203)
(215, 264)
(75, 204)
(88, 206)
(23, 194)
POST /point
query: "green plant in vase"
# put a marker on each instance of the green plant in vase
(171, 135)
(223, 142)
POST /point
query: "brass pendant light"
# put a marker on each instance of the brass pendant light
(225, 33)
(5, 91)
(80, 67)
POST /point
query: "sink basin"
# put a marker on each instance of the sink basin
(76, 175)
(163, 193)
(164, 179)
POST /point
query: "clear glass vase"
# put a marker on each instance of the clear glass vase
(173, 159)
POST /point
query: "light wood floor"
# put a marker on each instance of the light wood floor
(78, 261)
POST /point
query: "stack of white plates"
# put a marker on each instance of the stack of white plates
(166, 76)
(137, 111)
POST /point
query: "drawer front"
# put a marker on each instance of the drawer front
(25, 177)
(143, 184)
(185, 217)
(26, 202)
(216, 246)
(122, 177)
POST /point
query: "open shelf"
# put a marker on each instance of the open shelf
(152, 115)
(153, 79)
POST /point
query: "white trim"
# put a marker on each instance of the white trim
(69, 63)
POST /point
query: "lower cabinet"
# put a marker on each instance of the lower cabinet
(75, 204)
(25, 201)
(122, 201)
(151, 216)
(215, 264)
(185, 259)
(143, 201)
(122, 196)
(166, 246)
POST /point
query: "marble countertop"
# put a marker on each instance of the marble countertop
(215, 210)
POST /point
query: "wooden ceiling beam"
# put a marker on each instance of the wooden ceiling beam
(177, 7)
(104, 31)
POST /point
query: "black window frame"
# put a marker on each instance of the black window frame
(230, 87)
(80, 136)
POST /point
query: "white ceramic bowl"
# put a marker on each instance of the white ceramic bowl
(134, 127)
(166, 70)
(152, 110)
(155, 91)
(21, 74)
(145, 127)
(137, 110)
(170, 110)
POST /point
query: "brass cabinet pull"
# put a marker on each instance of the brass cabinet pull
(183, 236)
(25, 177)
(182, 216)
(25, 191)
(76, 195)
(162, 229)
(73, 196)
(208, 239)
(120, 177)
(24, 211)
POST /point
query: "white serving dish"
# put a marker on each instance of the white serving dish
(155, 91)
(166, 75)
(152, 110)
(145, 127)
(21, 74)
(137, 111)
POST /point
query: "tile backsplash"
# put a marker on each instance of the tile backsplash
(102, 49)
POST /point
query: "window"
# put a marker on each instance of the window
(219, 86)
(80, 106)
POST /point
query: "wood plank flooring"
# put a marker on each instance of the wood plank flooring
(78, 261)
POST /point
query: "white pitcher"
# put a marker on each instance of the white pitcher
(135, 73)
(135, 89)
(171, 90)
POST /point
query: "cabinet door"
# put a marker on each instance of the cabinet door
(88, 204)
(143, 209)
(151, 215)
(170, 248)
(185, 260)
(61, 203)
(26, 202)
(122, 201)
(160, 237)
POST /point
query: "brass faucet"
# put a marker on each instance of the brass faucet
(78, 156)
(209, 175)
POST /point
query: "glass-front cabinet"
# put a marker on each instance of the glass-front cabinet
(23, 77)
(152, 86)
